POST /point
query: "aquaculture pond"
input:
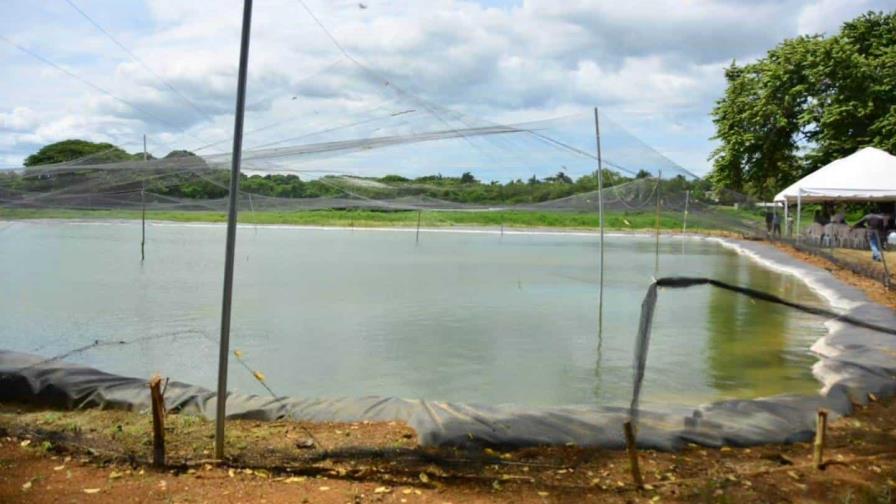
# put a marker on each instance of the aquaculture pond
(460, 315)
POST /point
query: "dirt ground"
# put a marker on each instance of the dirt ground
(103, 456)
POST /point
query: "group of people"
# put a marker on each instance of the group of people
(878, 226)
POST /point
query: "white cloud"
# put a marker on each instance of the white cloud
(655, 66)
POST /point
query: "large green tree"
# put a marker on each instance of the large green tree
(809, 101)
(77, 150)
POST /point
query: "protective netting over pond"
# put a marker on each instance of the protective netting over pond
(405, 161)
(407, 164)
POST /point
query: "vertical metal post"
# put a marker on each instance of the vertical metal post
(600, 221)
(799, 211)
(224, 350)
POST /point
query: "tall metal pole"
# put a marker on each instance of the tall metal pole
(224, 350)
(600, 220)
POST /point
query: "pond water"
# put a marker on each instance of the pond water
(474, 317)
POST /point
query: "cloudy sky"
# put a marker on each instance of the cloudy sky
(653, 66)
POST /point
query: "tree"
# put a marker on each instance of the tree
(78, 150)
(467, 178)
(179, 154)
(643, 174)
(560, 177)
(809, 101)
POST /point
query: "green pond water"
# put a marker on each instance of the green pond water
(474, 317)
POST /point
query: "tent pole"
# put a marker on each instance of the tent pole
(799, 211)
(600, 221)
(224, 350)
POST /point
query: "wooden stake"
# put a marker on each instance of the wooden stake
(158, 421)
(820, 435)
(633, 454)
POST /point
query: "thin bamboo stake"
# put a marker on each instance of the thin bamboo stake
(158, 421)
(632, 450)
(820, 436)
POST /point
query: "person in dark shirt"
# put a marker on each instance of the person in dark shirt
(769, 217)
(875, 225)
(776, 225)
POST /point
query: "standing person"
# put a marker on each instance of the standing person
(776, 224)
(769, 217)
(875, 225)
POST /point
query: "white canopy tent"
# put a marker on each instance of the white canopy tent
(869, 174)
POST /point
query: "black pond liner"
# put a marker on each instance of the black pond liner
(853, 363)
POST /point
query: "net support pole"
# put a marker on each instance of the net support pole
(224, 349)
(600, 223)
(143, 207)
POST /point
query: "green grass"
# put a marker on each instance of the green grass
(719, 220)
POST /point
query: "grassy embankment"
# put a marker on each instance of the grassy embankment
(720, 219)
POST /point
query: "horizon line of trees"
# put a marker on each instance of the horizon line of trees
(203, 182)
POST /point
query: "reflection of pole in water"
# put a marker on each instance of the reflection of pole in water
(143, 206)
(684, 226)
(656, 264)
(417, 242)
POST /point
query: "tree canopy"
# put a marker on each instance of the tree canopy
(78, 150)
(809, 101)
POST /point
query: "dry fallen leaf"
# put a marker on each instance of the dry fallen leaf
(59, 467)
(382, 489)
(424, 477)
(26, 486)
(91, 490)
(324, 488)
(543, 494)
(25, 443)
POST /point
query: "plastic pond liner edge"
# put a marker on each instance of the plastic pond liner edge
(853, 362)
